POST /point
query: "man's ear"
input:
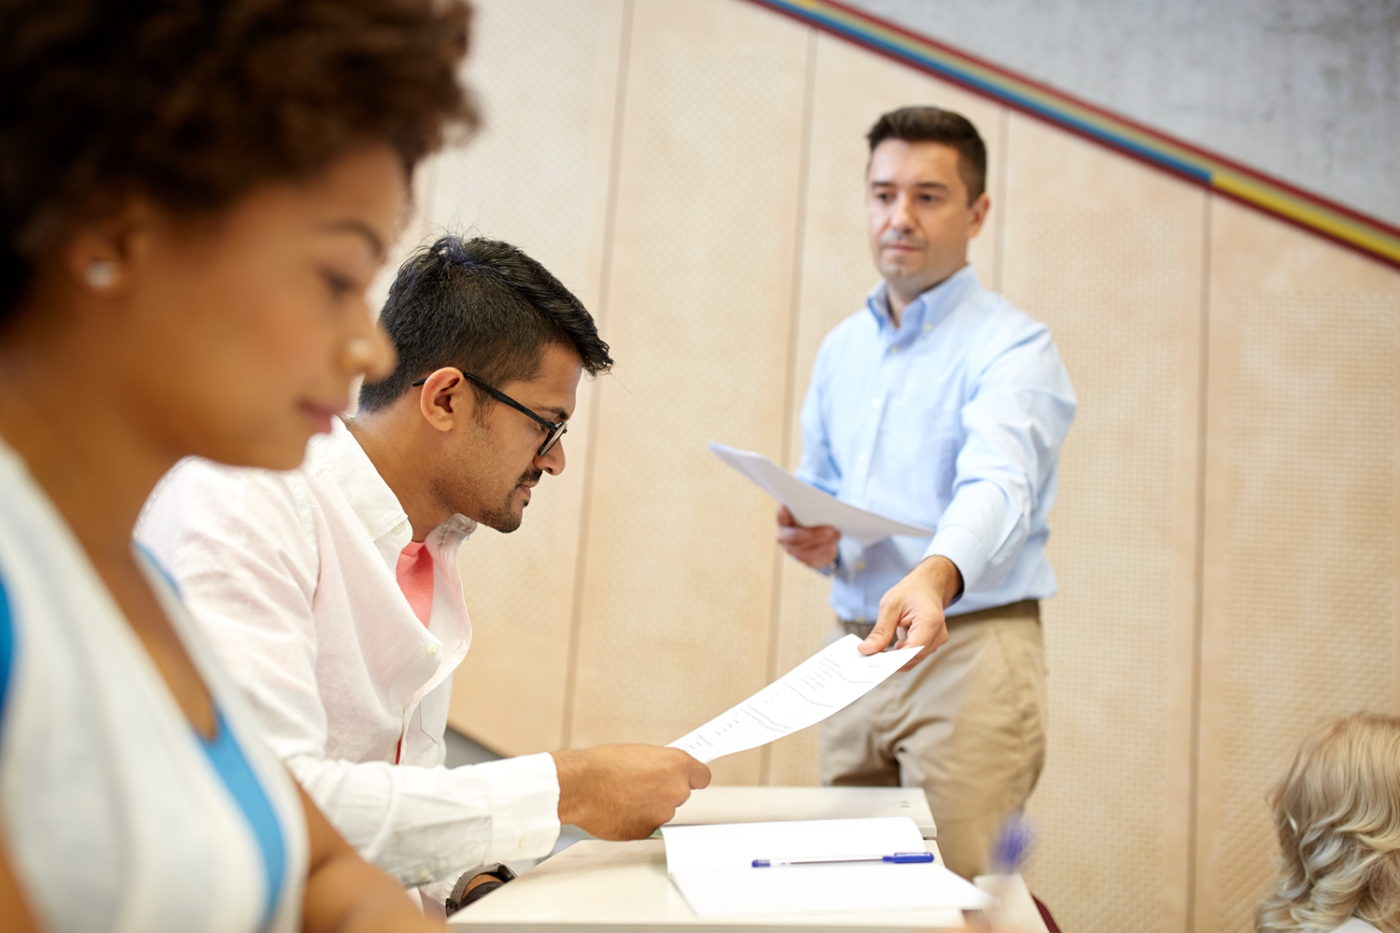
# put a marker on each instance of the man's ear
(980, 207)
(445, 399)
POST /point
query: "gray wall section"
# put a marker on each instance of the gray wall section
(1305, 90)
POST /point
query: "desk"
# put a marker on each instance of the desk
(594, 885)
(761, 804)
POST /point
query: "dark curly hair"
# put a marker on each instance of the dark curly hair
(482, 306)
(193, 103)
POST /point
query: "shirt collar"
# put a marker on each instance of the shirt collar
(340, 457)
(929, 308)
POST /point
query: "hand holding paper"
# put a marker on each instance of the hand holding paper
(811, 506)
(913, 608)
(816, 547)
(829, 681)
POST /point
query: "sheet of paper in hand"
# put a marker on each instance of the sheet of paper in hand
(810, 505)
(829, 680)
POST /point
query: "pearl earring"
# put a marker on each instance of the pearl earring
(101, 274)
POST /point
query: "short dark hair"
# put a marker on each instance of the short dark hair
(932, 125)
(193, 104)
(486, 308)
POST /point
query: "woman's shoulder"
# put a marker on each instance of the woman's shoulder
(1356, 925)
(108, 803)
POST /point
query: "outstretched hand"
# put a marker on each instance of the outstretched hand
(625, 791)
(913, 610)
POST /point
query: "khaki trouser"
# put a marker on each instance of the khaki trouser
(967, 725)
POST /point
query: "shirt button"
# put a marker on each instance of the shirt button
(432, 651)
(424, 875)
(894, 350)
(927, 328)
(860, 619)
(860, 565)
(398, 529)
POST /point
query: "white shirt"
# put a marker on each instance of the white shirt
(114, 816)
(292, 576)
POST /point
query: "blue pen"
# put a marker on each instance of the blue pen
(899, 858)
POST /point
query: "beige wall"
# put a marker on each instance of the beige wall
(1225, 536)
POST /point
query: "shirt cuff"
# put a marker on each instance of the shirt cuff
(524, 795)
(964, 549)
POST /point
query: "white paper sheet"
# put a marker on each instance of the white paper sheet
(828, 681)
(810, 505)
(713, 868)
(734, 846)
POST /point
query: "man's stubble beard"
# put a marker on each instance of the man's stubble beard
(504, 518)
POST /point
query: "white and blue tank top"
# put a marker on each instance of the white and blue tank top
(115, 813)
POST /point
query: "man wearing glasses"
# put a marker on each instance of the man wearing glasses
(333, 595)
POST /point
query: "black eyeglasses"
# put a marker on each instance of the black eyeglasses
(553, 430)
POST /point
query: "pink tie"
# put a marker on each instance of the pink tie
(415, 575)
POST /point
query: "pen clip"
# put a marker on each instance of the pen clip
(906, 858)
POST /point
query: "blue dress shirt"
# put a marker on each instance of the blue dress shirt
(952, 420)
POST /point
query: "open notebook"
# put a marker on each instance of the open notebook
(712, 865)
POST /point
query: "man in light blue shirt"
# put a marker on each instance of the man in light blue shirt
(940, 404)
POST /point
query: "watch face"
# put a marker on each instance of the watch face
(480, 891)
(461, 897)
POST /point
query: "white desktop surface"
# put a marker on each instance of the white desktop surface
(761, 804)
(595, 885)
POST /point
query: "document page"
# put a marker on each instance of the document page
(715, 846)
(713, 868)
(810, 505)
(828, 681)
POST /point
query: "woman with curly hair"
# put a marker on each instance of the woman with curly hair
(1337, 812)
(194, 197)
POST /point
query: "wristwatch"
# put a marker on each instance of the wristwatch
(461, 897)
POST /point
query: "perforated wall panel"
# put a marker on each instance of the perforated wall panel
(1301, 535)
(678, 593)
(1311, 602)
(536, 176)
(1108, 255)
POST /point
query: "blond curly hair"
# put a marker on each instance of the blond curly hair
(1337, 813)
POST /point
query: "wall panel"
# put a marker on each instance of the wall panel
(1109, 254)
(852, 87)
(536, 176)
(676, 601)
(1227, 558)
(1302, 482)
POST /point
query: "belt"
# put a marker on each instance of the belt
(1024, 609)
